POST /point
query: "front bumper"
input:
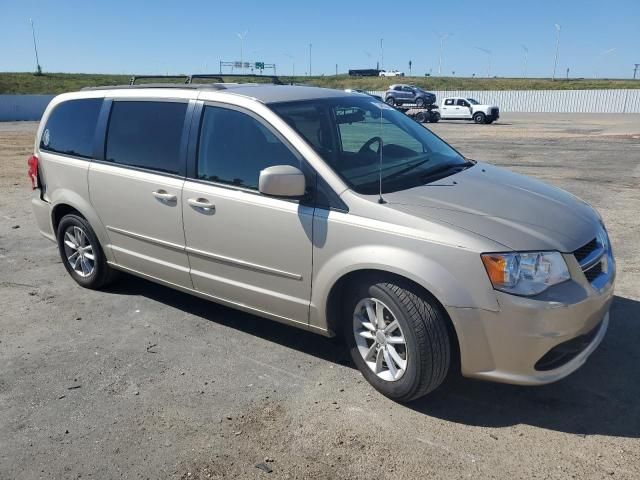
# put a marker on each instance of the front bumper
(507, 345)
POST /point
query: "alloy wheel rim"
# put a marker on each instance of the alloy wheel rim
(380, 339)
(79, 251)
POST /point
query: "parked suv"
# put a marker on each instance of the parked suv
(400, 94)
(331, 212)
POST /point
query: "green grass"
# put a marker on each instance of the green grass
(53, 83)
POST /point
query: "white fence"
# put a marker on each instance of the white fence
(31, 107)
(23, 107)
(553, 101)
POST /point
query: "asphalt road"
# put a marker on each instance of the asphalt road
(140, 381)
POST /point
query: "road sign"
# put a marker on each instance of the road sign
(259, 65)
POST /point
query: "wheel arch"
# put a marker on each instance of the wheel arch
(341, 287)
(66, 202)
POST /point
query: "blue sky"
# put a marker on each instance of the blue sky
(119, 36)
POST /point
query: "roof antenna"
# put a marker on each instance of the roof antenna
(380, 199)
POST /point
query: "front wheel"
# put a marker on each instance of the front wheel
(479, 117)
(398, 338)
(82, 254)
(420, 102)
(435, 117)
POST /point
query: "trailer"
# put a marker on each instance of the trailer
(426, 114)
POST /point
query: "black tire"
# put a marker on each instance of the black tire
(390, 101)
(102, 273)
(435, 117)
(420, 102)
(489, 122)
(421, 117)
(479, 117)
(424, 326)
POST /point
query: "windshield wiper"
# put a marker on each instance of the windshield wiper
(445, 171)
(407, 169)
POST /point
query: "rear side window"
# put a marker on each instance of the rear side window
(71, 127)
(146, 135)
(234, 147)
(448, 101)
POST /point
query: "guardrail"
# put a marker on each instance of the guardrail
(550, 101)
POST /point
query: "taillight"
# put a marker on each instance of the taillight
(33, 171)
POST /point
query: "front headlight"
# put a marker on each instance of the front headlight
(527, 273)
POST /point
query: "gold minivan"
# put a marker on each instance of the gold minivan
(332, 212)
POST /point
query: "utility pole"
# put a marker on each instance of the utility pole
(336, 69)
(35, 48)
(555, 63)
(310, 45)
(382, 53)
(526, 54)
(410, 67)
(635, 70)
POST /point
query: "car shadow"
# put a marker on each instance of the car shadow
(601, 398)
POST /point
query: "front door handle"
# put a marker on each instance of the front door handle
(202, 204)
(164, 196)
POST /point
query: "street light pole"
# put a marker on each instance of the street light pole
(555, 63)
(382, 53)
(526, 54)
(35, 47)
(293, 64)
(310, 45)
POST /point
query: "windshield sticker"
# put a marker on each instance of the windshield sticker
(46, 138)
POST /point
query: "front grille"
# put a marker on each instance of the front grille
(593, 272)
(584, 251)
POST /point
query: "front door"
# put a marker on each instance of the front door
(245, 248)
(137, 188)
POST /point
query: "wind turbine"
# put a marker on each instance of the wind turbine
(526, 54)
(601, 56)
(488, 52)
(443, 37)
(242, 36)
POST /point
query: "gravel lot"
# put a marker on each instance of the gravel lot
(144, 382)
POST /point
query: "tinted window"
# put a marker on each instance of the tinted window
(234, 147)
(374, 143)
(146, 134)
(71, 127)
(462, 103)
(448, 101)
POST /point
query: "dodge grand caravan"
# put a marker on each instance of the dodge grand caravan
(332, 212)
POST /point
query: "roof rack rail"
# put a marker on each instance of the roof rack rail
(132, 80)
(221, 76)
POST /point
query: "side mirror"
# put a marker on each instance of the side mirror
(282, 181)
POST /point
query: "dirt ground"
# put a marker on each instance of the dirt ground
(140, 381)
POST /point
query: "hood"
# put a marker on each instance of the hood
(514, 210)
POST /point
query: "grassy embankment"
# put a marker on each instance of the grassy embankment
(22, 83)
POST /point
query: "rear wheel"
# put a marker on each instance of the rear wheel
(82, 254)
(479, 117)
(421, 117)
(390, 101)
(420, 102)
(398, 338)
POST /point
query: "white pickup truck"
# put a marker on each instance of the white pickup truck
(458, 108)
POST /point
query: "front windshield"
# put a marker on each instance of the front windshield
(364, 140)
(472, 101)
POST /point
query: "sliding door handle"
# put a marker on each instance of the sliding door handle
(202, 204)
